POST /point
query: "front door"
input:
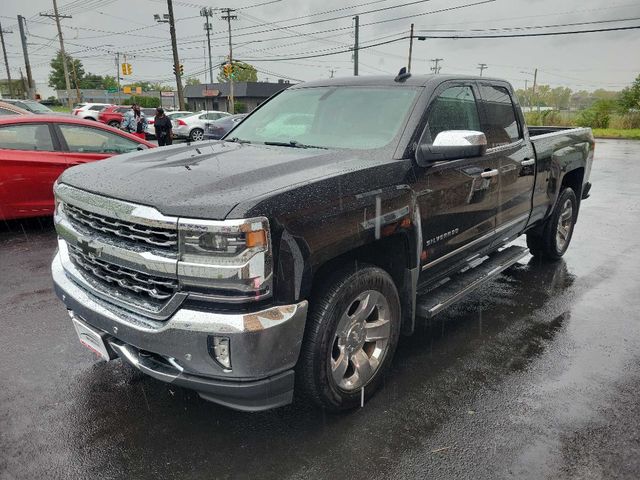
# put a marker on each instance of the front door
(458, 198)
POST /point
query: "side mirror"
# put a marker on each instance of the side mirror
(142, 146)
(452, 145)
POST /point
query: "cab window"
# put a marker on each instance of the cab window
(501, 127)
(453, 109)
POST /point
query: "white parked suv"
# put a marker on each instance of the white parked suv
(89, 111)
(192, 127)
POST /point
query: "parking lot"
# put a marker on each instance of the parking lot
(534, 376)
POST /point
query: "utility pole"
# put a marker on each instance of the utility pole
(6, 62)
(410, 49)
(436, 69)
(176, 59)
(228, 17)
(355, 46)
(57, 17)
(207, 12)
(535, 83)
(31, 85)
(118, 78)
(482, 67)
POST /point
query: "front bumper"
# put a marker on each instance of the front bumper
(264, 345)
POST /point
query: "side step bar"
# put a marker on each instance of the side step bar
(466, 281)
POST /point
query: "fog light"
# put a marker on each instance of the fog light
(220, 351)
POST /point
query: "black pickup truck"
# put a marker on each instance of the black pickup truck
(294, 252)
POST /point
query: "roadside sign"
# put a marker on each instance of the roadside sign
(166, 94)
(112, 90)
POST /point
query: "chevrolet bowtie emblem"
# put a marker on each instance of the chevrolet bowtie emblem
(87, 249)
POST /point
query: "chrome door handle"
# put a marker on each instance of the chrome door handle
(527, 162)
(489, 173)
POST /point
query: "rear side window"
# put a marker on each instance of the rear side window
(26, 137)
(4, 111)
(501, 127)
(97, 107)
(453, 109)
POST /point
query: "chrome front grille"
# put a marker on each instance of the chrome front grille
(158, 238)
(155, 289)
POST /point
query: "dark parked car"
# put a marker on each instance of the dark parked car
(30, 105)
(219, 128)
(295, 255)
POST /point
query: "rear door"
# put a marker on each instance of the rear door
(30, 162)
(457, 199)
(508, 147)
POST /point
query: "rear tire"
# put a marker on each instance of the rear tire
(114, 124)
(351, 335)
(196, 135)
(557, 231)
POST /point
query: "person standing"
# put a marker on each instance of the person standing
(163, 127)
(135, 122)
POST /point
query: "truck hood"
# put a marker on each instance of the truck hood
(208, 179)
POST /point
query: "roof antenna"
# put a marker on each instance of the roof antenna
(402, 75)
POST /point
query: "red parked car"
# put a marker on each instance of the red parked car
(112, 115)
(36, 149)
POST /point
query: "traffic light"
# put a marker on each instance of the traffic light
(228, 70)
(126, 69)
(180, 70)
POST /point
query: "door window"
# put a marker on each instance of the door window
(82, 139)
(453, 109)
(26, 137)
(501, 126)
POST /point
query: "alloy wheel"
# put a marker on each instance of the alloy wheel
(361, 340)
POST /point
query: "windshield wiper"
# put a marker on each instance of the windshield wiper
(293, 144)
(237, 140)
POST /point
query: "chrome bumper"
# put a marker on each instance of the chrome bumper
(264, 345)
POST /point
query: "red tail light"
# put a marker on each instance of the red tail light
(182, 123)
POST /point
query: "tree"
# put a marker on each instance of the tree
(242, 72)
(559, 98)
(192, 81)
(56, 76)
(159, 87)
(630, 96)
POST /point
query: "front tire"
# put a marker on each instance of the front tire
(557, 231)
(114, 124)
(351, 335)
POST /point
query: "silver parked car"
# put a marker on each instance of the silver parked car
(173, 116)
(192, 127)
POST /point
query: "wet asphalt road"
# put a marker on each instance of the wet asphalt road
(535, 376)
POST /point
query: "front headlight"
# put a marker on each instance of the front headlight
(230, 260)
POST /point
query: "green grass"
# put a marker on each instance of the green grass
(629, 133)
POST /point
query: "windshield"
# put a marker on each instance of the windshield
(36, 107)
(330, 117)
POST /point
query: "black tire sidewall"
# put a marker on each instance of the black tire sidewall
(331, 306)
(550, 232)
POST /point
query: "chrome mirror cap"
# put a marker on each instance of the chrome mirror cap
(460, 138)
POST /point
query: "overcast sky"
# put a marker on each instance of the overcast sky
(609, 60)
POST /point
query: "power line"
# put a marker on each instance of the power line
(521, 35)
